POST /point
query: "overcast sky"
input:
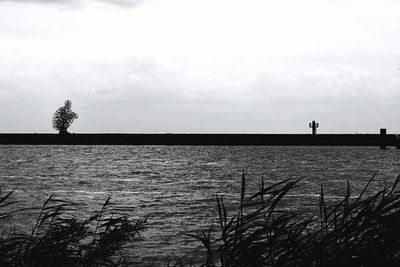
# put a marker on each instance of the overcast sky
(217, 66)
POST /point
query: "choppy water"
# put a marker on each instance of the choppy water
(176, 186)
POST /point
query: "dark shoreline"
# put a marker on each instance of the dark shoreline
(204, 139)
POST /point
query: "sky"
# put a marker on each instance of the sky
(201, 66)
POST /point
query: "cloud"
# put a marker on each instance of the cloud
(143, 95)
(325, 83)
(163, 68)
(122, 3)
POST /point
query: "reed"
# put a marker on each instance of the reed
(355, 231)
(58, 238)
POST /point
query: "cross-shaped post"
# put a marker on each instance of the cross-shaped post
(314, 125)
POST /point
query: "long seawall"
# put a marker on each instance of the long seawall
(204, 139)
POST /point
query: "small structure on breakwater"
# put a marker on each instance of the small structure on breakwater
(313, 125)
(383, 133)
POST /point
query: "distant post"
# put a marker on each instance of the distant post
(383, 134)
(313, 125)
(397, 141)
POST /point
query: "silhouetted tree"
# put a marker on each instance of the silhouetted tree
(64, 117)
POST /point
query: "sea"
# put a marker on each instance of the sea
(176, 186)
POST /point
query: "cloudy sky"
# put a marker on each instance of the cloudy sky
(188, 66)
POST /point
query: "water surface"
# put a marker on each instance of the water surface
(176, 185)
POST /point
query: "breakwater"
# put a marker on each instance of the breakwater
(381, 140)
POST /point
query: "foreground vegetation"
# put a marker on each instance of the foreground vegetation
(58, 238)
(362, 230)
(355, 231)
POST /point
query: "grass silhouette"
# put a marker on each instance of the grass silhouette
(58, 238)
(355, 231)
